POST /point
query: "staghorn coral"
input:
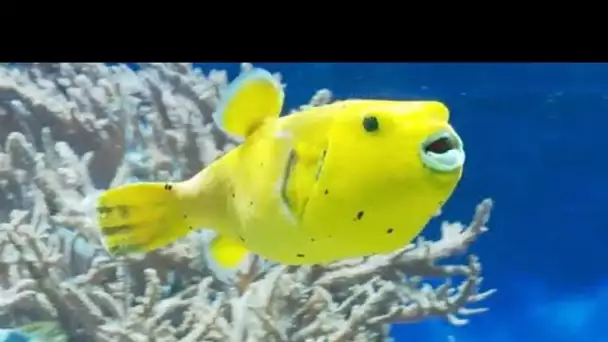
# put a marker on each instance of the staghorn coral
(68, 130)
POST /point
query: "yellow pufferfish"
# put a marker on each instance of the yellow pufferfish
(343, 180)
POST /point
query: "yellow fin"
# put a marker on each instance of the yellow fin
(227, 252)
(140, 217)
(250, 99)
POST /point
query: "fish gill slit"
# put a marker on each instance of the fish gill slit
(320, 164)
(291, 161)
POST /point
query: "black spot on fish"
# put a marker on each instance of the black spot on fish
(233, 195)
(261, 164)
(190, 228)
(389, 231)
(370, 123)
(185, 216)
(326, 191)
(300, 255)
(312, 240)
(360, 215)
(250, 202)
(242, 238)
(168, 186)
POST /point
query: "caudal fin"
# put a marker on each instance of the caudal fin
(140, 217)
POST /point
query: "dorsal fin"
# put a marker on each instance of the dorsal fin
(250, 99)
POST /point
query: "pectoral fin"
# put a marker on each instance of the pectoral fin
(226, 252)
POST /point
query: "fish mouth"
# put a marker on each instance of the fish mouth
(443, 152)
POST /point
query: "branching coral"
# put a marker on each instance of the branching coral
(71, 129)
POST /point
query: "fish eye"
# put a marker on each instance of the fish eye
(370, 123)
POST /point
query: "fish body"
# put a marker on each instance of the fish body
(348, 179)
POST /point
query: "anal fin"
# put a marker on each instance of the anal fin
(226, 252)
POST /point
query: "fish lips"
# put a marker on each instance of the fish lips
(443, 152)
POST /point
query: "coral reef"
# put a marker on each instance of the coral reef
(68, 130)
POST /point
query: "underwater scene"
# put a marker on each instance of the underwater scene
(303, 202)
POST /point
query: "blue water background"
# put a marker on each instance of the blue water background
(535, 136)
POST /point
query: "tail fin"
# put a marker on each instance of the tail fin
(141, 217)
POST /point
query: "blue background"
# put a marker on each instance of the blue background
(535, 138)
